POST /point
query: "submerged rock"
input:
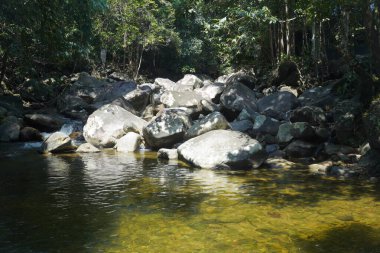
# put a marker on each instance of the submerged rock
(58, 143)
(87, 148)
(106, 125)
(223, 149)
(167, 129)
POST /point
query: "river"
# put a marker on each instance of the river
(112, 202)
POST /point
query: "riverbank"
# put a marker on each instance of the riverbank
(232, 122)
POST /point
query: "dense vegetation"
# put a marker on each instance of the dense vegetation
(169, 38)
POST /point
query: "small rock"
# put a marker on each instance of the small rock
(242, 126)
(300, 149)
(30, 134)
(213, 121)
(168, 154)
(58, 143)
(128, 143)
(266, 125)
(87, 148)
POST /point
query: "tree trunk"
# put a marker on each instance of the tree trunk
(139, 63)
(271, 45)
(287, 30)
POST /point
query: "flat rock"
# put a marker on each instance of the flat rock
(87, 148)
(223, 149)
(58, 143)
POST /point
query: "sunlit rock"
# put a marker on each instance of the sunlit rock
(213, 121)
(237, 97)
(87, 148)
(167, 129)
(168, 154)
(223, 149)
(128, 143)
(58, 143)
(106, 125)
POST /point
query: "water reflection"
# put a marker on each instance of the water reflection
(110, 202)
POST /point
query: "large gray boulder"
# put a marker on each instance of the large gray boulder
(190, 82)
(292, 131)
(223, 149)
(58, 143)
(237, 97)
(165, 83)
(242, 77)
(106, 125)
(9, 129)
(280, 102)
(213, 121)
(188, 99)
(211, 92)
(311, 114)
(44, 122)
(266, 125)
(166, 129)
(138, 98)
(322, 96)
(91, 93)
(300, 149)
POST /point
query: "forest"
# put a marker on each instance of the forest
(170, 38)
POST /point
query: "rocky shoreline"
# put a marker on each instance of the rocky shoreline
(229, 123)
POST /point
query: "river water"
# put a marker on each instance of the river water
(110, 202)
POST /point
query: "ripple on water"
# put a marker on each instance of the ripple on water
(111, 202)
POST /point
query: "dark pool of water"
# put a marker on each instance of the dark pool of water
(112, 202)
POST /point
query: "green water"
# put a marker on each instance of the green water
(112, 202)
